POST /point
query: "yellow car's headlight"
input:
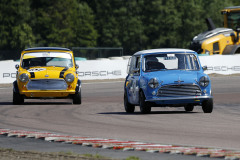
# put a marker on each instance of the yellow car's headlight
(69, 77)
(24, 77)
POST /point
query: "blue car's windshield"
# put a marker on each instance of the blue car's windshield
(170, 61)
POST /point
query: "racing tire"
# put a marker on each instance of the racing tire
(144, 107)
(207, 106)
(17, 98)
(129, 108)
(77, 98)
(189, 107)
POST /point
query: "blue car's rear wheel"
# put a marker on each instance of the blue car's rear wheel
(144, 107)
(129, 108)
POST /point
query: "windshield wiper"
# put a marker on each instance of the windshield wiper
(57, 66)
(153, 70)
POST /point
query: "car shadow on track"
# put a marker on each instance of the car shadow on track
(47, 103)
(6, 103)
(36, 103)
(153, 112)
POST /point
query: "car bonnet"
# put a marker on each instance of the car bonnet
(173, 76)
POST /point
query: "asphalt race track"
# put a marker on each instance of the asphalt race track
(102, 115)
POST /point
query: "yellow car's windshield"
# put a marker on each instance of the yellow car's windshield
(44, 59)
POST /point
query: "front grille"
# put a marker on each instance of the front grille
(179, 90)
(47, 84)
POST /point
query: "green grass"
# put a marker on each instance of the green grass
(9, 154)
(132, 158)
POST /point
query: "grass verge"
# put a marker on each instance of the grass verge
(10, 154)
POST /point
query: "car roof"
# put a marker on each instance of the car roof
(47, 48)
(164, 50)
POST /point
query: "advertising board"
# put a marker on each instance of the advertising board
(115, 69)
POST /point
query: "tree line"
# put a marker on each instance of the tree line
(131, 24)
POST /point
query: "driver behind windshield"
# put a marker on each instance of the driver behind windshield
(153, 64)
(171, 62)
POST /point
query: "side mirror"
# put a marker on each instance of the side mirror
(238, 29)
(129, 64)
(204, 68)
(232, 34)
(17, 66)
(76, 66)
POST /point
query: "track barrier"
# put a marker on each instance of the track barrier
(117, 67)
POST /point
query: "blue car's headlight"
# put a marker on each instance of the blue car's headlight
(153, 83)
(204, 81)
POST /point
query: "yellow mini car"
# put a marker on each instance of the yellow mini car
(46, 72)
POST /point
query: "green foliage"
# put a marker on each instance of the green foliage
(96, 156)
(15, 29)
(119, 24)
(214, 8)
(85, 35)
(132, 158)
(64, 23)
(131, 24)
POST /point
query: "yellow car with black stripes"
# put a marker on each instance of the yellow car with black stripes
(47, 72)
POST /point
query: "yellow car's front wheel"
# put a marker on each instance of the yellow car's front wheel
(17, 98)
(77, 98)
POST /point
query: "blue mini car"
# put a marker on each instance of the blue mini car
(167, 78)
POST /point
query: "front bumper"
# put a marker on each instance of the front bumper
(179, 100)
(47, 88)
(47, 94)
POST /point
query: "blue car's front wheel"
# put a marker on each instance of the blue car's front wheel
(129, 108)
(189, 107)
(207, 106)
(144, 107)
